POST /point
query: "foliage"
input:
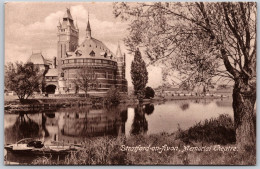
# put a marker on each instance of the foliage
(107, 151)
(194, 38)
(85, 79)
(113, 96)
(200, 41)
(139, 75)
(149, 92)
(23, 79)
(218, 130)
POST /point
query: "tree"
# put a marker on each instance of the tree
(149, 92)
(113, 96)
(201, 41)
(139, 75)
(23, 79)
(85, 79)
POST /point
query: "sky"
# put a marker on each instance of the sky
(32, 27)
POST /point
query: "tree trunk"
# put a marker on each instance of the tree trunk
(244, 98)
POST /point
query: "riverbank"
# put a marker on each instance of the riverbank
(198, 145)
(12, 104)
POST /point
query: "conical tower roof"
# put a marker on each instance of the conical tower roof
(88, 25)
(68, 14)
(118, 51)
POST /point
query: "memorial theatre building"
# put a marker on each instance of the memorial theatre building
(107, 67)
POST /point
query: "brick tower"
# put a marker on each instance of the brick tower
(68, 37)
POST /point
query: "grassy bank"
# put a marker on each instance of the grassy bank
(211, 142)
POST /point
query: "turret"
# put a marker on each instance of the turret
(120, 63)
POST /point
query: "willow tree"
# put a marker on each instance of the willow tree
(202, 42)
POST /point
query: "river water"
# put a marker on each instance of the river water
(73, 125)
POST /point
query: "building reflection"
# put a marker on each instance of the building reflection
(75, 125)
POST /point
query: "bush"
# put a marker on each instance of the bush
(113, 96)
(149, 92)
(218, 130)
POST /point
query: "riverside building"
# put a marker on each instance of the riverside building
(107, 67)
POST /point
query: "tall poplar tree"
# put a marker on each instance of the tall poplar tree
(139, 75)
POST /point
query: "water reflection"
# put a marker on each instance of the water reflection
(96, 122)
(140, 125)
(149, 108)
(184, 106)
(74, 125)
(70, 125)
(23, 127)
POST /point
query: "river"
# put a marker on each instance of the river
(73, 125)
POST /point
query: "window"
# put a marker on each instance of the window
(92, 53)
(80, 61)
(98, 61)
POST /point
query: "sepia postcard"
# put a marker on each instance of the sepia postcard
(130, 83)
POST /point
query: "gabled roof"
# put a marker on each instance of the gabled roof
(52, 72)
(37, 58)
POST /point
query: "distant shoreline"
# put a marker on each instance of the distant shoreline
(54, 103)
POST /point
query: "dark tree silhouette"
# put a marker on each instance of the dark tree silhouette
(139, 75)
(149, 92)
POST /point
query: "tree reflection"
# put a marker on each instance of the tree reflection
(140, 124)
(46, 132)
(149, 108)
(24, 127)
(184, 106)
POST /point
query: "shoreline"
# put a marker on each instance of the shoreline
(54, 103)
